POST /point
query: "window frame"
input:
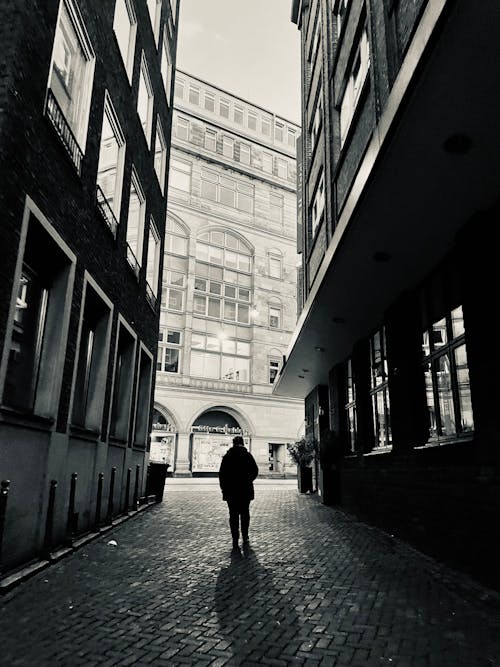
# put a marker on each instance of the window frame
(128, 61)
(136, 184)
(110, 113)
(147, 122)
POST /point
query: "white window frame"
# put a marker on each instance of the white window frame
(358, 73)
(195, 92)
(160, 139)
(273, 257)
(174, 163)
(240, 110)
(110, 113)
(317, 118)
(209, 136)
(154, 11)
(273, 363)
(163, 345)
(209, 98)
(279, 130)
(227, 146)
(182, 124)
(282, 168)
(275, 310)
(153, 263)
(245, 151)
(128, 58)
(79, 125)
(267, 160)
(166, 67)
(146, 123)
(226, 104)
(179, 85)
(318, 203)
(137, 251)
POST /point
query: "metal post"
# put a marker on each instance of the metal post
(109, 517)
(98, 503)
(127, 491)
(72, 515)
(4, 493)
(49, 523)
(136, 487)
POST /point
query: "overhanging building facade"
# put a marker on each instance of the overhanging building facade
(229, 283)
(400, 173)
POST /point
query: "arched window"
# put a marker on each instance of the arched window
(223, 282)
(176, 240)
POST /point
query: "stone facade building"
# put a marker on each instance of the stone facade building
(229, 283)
(400, 197)
(86, 109)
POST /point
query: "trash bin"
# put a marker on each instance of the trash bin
(155, 480)
(305, 479)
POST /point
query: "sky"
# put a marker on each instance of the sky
(247, 47)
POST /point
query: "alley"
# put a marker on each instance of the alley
(316, 587)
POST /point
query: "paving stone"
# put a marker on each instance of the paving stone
(316, 587)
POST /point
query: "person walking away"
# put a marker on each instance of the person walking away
(236, 475)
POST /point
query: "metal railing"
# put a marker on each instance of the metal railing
(61, 126)
(151, 297)
(106, 211)
(132, 260)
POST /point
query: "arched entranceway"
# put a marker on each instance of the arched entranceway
(163, 438)
(212, 434)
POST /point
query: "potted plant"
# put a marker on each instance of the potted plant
(303, 452)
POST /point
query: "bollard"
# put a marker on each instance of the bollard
(72, 515)
(98, 502)
(49, 523)
(4, 494)
(127, 491)
(109, 518)
(136, 487)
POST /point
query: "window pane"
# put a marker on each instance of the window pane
(204, 364)
(244, 294)
(199, 304)
(215, 288)
(215, 255)
(213, 344)
(174, 337)
(229, 346)
(214, 307)
(171, 360)
(108, 161)
(243, 314)
(200, 284)
(439, 335)
(243, 348)
(235, 368)
(230, 291)
(464, 394)
(229, 310)
(198, 341)
(175, 299)
(446, 410)
(457, 322)
(209, 190)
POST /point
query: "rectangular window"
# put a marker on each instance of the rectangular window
(274, 368)
(111, 159)
(232, 363)
(252, 120)
(446, 374)
(224, 108)
(274, 266)
(266, 127)
(70, 82)
(135, 223)
(209, 101)
(227, 191)
(160, 155)
(380, 390)
(239, 114)
(154, 10)
(354, 85)
(166, 67)
(317, 119)
(179, 89)
(279, 131)
(173, 299)
(282, 168)
(275, 317)
(145, 100)
(153, 263)
(292, 135)
(227, 147)
(143, 400)
(180, 175)
(267, 163)
(182, 129)
(350, 406)
(245, 153)
(210, 140)
(318, 205)
(125, 29)
(122, 384)
(91, 368)
(276, 203)
(194, 95)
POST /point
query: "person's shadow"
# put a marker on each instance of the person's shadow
(254, 617)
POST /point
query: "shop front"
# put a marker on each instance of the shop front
(211, 436)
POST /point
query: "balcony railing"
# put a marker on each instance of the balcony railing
(60, 124)
(132, 260)
(106, 211)
(151, 297)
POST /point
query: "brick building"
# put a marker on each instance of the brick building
(400, 197)
(229, 285)
(85, 122)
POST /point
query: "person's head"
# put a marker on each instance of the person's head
(238, 441)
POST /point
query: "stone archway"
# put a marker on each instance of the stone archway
(212, 433)
(163, 437)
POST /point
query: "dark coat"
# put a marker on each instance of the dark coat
(236, 474)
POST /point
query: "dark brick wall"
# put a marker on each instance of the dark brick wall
(34, 162)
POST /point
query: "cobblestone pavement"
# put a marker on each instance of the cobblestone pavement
(316, 587)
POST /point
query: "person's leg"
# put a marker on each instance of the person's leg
(234, 520)
(245, 520)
